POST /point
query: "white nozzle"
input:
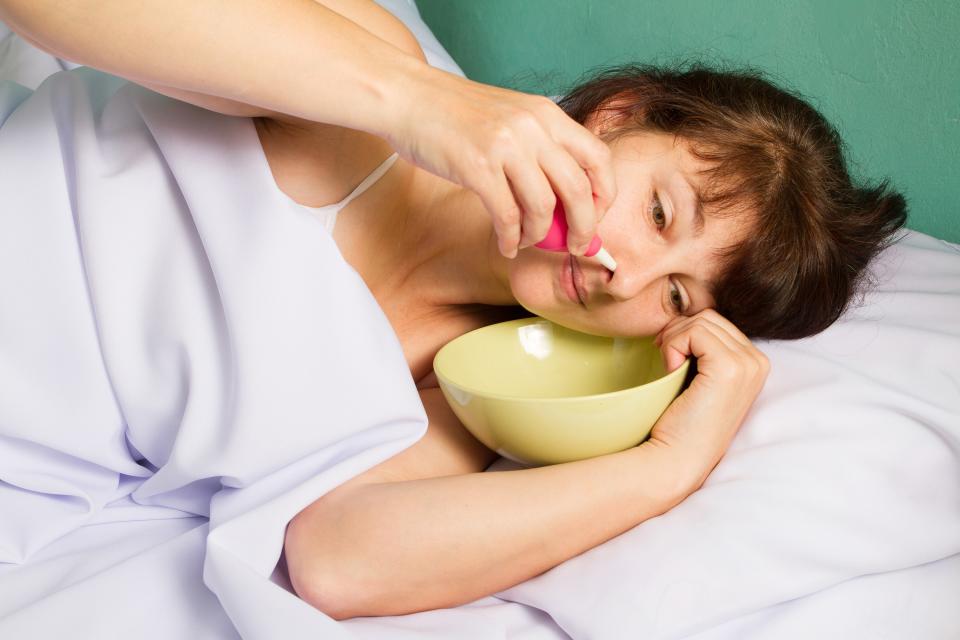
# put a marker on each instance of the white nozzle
(606, 259)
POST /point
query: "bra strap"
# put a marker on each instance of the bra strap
(369, 180)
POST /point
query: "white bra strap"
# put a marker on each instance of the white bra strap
(369, 180)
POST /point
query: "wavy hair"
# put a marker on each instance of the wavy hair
(772, 158)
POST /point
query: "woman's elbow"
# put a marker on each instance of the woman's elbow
(314, 573)
(330, 574)
(323, 594)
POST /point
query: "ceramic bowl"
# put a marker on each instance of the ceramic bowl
(539, 393)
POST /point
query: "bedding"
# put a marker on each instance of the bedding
(139, 496)
(848, 465)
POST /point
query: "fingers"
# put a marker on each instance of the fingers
(709, 315)
(518, 152)
(522, 214)
(702, 339)
(594, 157)
(578, 168)
(535, 197)
(582, 171)
(499, 201)
(573, 187)
(725, 351)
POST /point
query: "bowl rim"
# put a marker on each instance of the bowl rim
(441, 377)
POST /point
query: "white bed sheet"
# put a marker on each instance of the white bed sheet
(840, 493)
(829, 564)
(162, 282)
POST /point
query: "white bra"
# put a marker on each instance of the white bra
(328, 213)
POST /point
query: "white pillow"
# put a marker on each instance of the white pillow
(408, 13)
(847, 465)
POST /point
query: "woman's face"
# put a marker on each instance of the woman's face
(663, 246)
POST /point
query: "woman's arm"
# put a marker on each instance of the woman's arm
(520, 153)
(253, 57)
(426, 530)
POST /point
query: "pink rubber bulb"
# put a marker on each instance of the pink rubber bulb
(556, 239)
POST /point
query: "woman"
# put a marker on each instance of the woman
(732, 215)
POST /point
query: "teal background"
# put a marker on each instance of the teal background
(886, 73)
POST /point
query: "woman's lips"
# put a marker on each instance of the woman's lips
(578, 281)
(569, 276)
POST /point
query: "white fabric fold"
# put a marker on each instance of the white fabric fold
(170, 304)
(848, 465)
(177, 341)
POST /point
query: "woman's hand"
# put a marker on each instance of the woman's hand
(517, 151)
(697, 428)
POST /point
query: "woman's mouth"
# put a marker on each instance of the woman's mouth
(571, 279)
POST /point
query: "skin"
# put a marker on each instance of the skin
(427, 248)
(481, 172)
(662, 263)
(515, 150)
(649, 229)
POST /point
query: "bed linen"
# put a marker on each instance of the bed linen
(841, 487)
(812, 525)
(169, 318)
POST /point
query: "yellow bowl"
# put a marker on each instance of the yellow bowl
(539, 393)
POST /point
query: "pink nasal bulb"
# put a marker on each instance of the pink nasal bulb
(556, 240)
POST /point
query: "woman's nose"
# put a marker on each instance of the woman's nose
(625, 283)
(637, 268)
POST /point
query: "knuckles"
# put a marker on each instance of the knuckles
(710, 314)
(744, 365)
(547, 204)
(479, 164)
(578, 185)
(508, 217)
(602, 152)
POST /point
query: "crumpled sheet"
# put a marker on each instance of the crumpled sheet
(161, 364)
(836, 511)
(178, 342)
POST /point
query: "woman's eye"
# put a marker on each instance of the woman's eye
(656, 211)
(676, 299)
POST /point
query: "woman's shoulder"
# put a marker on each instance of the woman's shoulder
(379, 22)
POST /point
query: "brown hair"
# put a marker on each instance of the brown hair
(775, 158)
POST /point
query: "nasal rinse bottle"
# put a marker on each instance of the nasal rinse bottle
(556, 240)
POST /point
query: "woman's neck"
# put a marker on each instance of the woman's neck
(449, 247)
(412, 233)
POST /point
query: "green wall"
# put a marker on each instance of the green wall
(885, 72)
